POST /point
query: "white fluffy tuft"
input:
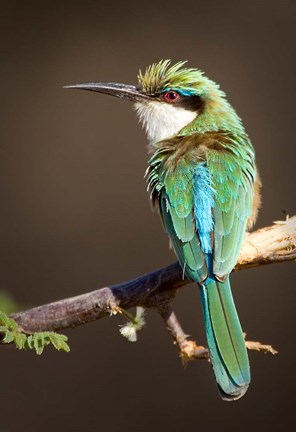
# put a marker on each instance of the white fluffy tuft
(161, 120)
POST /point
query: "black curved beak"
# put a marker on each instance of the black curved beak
(123, 91)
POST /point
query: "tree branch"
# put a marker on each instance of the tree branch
(273, 244)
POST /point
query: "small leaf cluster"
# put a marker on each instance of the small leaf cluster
(36, 341)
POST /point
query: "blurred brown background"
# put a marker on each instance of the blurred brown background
(75, 214)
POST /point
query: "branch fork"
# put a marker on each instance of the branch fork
(270, 245)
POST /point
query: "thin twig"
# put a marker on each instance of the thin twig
(188, 349)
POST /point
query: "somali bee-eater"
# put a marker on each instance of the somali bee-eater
(202, 177)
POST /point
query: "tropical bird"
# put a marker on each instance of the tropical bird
(203, 179)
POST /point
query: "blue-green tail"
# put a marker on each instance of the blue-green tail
(225, 338)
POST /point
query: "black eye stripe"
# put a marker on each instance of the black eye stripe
(191, 103)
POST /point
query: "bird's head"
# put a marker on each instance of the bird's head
(171, 100)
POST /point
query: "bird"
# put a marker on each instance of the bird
(202, 178)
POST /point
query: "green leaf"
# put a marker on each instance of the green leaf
(30, 343)
(59, 341)
(36, 341)
(8, 338)
(20, 340)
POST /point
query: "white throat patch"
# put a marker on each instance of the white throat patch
(161, 120)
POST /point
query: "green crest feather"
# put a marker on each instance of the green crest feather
(162, 75)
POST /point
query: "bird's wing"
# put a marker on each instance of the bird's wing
(173, 190)
(232, 180)
(176, 209)
(204, 205)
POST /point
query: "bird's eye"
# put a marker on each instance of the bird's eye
(171, 96)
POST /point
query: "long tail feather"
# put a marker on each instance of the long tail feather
(225, 340)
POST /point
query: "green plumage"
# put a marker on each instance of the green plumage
(172, 185)
(232, 178)
(225, 340)
(216, 146)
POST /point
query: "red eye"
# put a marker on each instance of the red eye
(171, 96)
